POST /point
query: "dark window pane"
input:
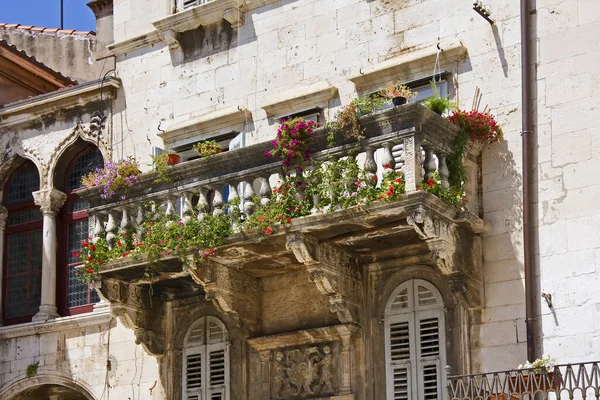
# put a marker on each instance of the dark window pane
(78, 205)
(23, 217)
(78, 232)
(85, 164)
(77, 290)
(25, 181)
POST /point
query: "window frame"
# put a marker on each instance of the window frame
(66, 218)
(413, 313)
(19, 228)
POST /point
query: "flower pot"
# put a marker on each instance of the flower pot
(398, 101)
(173, 159)
(544, 383)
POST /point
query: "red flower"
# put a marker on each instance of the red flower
(84, 243)
(169, 252)
(89, 270)
(388, 166)
(268, 231)
(374, 178)
(211, 251)
(125, 235)
(398, 180)
(150, 223)
(430, 182)
(419, 188)
(74, 254)
(181, 223)
(289, 220)
(119, 243)
(124, 254)
(90, 259)
(261, 218)
(92, 247)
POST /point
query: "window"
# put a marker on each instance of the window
(206, 361)
(76, 295)
(312, 114)
(185, 4)
(23, 247)
(415, 342)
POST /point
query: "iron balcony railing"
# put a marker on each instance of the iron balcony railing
(567, 381)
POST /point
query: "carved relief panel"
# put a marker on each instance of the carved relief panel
(304, 372)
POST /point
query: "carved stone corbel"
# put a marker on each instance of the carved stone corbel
(335, 275)
(234, 17)
(457, 256)
(171, 38)
(233, 293)
(130, 304)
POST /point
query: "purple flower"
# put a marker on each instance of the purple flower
(268, 154)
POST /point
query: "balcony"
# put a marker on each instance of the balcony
(567, 381)
(334, 248)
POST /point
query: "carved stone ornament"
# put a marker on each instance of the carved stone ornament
(335, 275)
(3, 216)
(49, 200)
(305, 372)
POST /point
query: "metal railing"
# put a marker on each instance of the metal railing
(568, 381)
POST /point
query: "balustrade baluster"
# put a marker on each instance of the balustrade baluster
(187, 209)
(98, 227)
(111, 229)
(443, 170)
(218, 201)
(126, 222)
(249, 206)
(370, 166)
(202, 206)
(139, 220)
(412, 165)
(429, 162)
(170, 206)
(388, 158)
(233, 198)
(265, 190)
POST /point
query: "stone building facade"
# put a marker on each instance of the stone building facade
(358, 304)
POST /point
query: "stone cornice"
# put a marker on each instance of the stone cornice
(318, 335)
(296, 99)
(59, 324)
(23, 110)
(134, 43)
(374, 76)
(101, 8)
(226, 118)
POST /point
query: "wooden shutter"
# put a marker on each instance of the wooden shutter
(217, 374)
(193, 376)
(415, 342)
(189, 4)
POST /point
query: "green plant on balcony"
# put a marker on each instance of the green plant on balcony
(437, 104)
(398, 93)
(544, 362)
(369, 103)
(117, 177)
(454, 196)
(208, 148)
(292, 142)
(161, 164)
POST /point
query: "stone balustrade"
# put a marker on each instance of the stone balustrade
(410, 139)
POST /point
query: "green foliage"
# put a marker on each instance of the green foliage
(437, 104)
(31, 370)
(454, 195)
(370, 103)
(160, 165)
(208, 148)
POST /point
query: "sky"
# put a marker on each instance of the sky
(46, 13)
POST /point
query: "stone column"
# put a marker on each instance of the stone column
(3, 218)
(50, 202)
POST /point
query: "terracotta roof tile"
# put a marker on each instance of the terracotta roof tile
(47, 30)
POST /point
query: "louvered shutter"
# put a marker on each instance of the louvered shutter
(216, 374)
(193, 376)
(189, 4)
(414, 342)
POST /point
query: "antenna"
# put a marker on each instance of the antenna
(61, 15)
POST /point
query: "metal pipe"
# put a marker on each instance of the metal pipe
(527, 126)
(61, 15)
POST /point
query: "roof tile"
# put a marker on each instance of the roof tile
(46, 30)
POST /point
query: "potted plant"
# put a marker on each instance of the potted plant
(542, 375)
(437, 104)
(208, 148)
(398, 93)
(161, 164)
(115, 177)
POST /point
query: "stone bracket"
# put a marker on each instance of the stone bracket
(455, 252)
(171, 38)
(335, 274)
(128, 303)
(233, 293)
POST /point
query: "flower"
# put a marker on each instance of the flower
(181, 223)
(268, 231)
(89, 270)
(90, 259)
(74, 254)
(92, 247)
(430, 182)
(85, 244)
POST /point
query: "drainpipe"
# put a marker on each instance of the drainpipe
(527, 127)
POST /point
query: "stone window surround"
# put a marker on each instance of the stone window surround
(299, 99)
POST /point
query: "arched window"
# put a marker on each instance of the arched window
(206, 361)
(415, 342)
(23, 246)
(75, 295)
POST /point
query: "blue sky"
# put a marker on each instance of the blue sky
(46, 13)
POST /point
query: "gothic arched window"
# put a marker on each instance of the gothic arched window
(206, 361)
(415, 342)
(76, 296)
(22, 246)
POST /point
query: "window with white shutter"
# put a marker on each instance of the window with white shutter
(415, 342)
(206, 361)
(186, 4)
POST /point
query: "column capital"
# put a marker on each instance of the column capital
(3, 216)
(49, 200)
